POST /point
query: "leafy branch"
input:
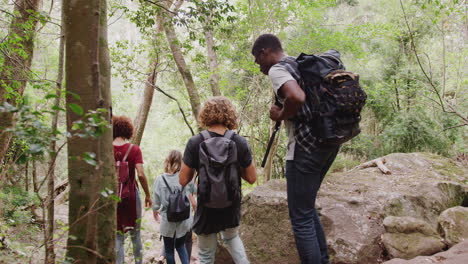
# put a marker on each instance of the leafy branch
(441, 101)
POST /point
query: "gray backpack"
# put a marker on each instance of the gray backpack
(178, 208)
(219, 172)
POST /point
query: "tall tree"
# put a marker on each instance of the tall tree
(212, 58)
(148, 93)
(165, 19)
(16, 63)
(145, 105)
(90, 159)
(50, 200)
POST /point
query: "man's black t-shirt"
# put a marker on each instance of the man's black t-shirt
(211, 220)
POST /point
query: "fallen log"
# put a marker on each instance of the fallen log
(379, 163)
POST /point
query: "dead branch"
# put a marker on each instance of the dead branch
(178, 104)
(379, 163)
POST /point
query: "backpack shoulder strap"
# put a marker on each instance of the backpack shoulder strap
(229, 134)
(128, 152)
(291, 65)
(167, 185)
(205, 134)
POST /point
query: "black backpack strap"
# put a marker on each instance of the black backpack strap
(167, 185)
(205, 134)
(229, 134)
(128, 152)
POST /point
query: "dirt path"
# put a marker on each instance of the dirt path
(149, 237)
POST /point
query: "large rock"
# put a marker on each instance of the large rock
(265, 228)
(458, 254)
(409, 237)
(453, 224)
(352, 207)
(407, 246)
(407, 225)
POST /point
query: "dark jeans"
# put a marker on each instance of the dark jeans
(188, 245)
(304, 175)
(179, 244)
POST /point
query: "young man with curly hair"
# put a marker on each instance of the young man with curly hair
(306, 163)
(129, 209)
(218, 116)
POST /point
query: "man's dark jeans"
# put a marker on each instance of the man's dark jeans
(304, 175)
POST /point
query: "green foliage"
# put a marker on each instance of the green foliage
(92, 124)
(16, 203)
(414, 132)
(30, 131)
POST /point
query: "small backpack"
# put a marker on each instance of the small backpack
(125, 184)
(178, 208)
(219, 173)
(336, 96)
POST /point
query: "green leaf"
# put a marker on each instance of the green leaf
(89, 157)
(76, 108)
(48, 96)
(57, 108)
(76, 96)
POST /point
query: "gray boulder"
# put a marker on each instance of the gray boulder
(409, 237)
(352, 207)
(407, 246)
(408, 225)
(458, 254)
(453, 225)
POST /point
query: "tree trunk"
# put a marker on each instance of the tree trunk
(16, 66)
(87, 58)
(174, 44)
(34, 177)
(107, 215)
(212, 60)
(50, 201)
(145, 106)
(147, 100)
(26, 177)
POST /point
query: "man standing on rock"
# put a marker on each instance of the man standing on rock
(306, 163)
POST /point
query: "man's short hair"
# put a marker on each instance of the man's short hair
(265, 41)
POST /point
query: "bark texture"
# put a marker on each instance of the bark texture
(145, 105)
(174, 44)
(87, 74)
(49, 201)
(212, 61)
(16, 66)
(107, 220)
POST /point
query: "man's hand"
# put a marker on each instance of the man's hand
(148, 202)
(276, 113)
(156, 216)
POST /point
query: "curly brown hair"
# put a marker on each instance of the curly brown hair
(122, 127)
(173, 162)
(218, 110)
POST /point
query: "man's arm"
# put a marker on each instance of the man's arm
(294, 98)
(144, 184)
(249, 174)
(185, 174)
(193, 201)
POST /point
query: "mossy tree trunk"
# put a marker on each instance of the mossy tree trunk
(15, 70)
(87, 72)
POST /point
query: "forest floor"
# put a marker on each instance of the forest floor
(26, 241)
